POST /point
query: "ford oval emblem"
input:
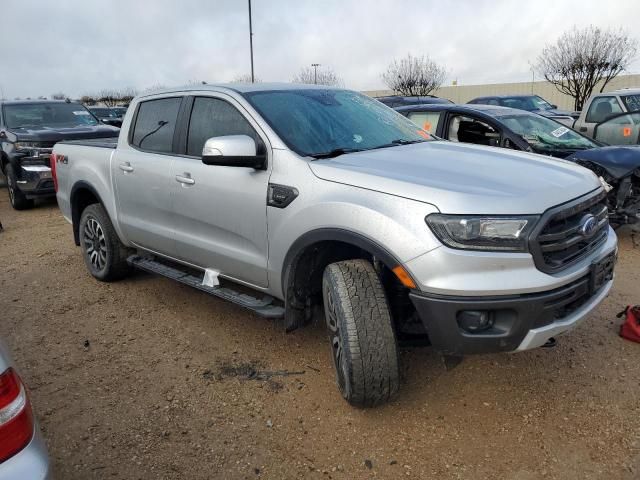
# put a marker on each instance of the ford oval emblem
(588, 225)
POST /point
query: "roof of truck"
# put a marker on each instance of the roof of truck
(240, 87)
(633, 91)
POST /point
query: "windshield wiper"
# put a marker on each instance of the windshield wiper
(399, 141)
(336, 152)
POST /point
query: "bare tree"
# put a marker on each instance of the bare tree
(127, 94)
(414, 76)
(153, 88)
(245, 78)
(108, 97)
(583, 58)
(88, 99)
(58, 96)
(321, 76)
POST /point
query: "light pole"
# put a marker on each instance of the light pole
(315, 72)
(251, 42)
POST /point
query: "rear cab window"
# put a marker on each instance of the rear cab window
(155, 125)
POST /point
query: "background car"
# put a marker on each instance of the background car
(618, 167)
(530, 103)
(612, 117)
(394, 101)
(28, 131)
(107, 116)
(23, 454)
(120, 111)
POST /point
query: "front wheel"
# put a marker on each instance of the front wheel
(18, 199)
(103, 252)
(363, 341)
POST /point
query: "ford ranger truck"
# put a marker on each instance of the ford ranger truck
(289, 199)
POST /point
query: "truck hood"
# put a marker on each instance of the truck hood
(56, 134)
(460, 178)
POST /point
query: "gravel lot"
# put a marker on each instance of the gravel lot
(148, 379)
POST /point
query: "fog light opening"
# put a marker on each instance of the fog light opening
(476, 321)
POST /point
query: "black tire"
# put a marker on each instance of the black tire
(103, 252)
(363, 341)
(18, 199)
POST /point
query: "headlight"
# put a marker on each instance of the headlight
(27, 145)
(478, 232)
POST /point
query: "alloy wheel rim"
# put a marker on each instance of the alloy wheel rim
(95, 243)
(10, 188)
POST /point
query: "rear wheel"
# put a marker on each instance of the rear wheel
(103, 252)
(363, 341)
(18, 199)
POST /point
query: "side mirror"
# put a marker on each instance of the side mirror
(234, 151)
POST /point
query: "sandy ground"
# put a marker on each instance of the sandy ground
(148, 379)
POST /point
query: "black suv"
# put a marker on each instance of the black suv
(28, 131)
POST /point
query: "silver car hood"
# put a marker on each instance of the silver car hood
(461, 178)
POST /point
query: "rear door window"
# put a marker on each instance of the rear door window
(213, 117)
(156, 124)
(603, 108)
(428, 121)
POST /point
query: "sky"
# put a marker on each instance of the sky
(84, 46)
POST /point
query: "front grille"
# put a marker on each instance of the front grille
(559, 241)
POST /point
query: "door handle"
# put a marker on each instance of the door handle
(185, 179)
(126, 167)
(583, 129)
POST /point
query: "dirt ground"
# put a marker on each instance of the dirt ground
(148, 379)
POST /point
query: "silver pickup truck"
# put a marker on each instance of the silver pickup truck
(290, 200)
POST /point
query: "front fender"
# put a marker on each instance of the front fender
(390, 227)
(618, 162)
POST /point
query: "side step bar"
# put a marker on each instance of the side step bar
(264, 307)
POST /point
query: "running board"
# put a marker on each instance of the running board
(262, 306)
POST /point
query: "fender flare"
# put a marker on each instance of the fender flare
(333, 234)
(75, 213)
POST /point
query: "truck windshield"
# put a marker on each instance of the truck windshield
(545, 134)
(325, 122)
(632, 102)
(47, 115)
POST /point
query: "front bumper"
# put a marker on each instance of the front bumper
(519, 322)
(35, 181)
(32, 462)
(34, 175)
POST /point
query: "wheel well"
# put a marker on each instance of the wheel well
(4, 160)
(303, 278)
(81, 198)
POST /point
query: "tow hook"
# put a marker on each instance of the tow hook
(550, 343)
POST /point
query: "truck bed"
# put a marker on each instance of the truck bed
(95, 142)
